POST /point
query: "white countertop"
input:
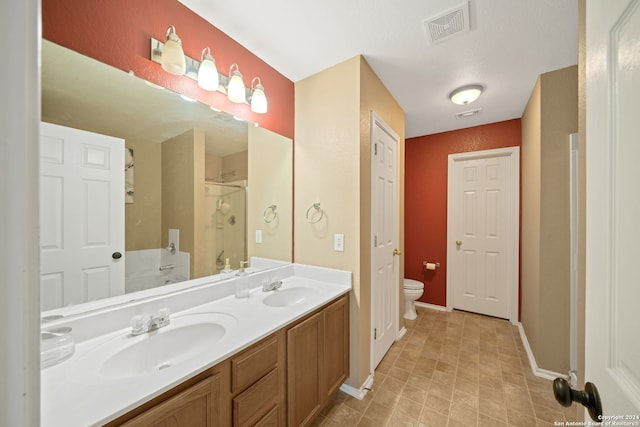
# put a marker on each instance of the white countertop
(76, 393)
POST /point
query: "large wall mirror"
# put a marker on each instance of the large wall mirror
(193, 187)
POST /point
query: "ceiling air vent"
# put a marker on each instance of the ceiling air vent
(447, 24)
(467, 114)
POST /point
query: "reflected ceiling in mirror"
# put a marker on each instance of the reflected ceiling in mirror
(83, 93)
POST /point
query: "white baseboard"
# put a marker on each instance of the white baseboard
(430, 306)
(358, 393)
(538, 372)
(401, 333)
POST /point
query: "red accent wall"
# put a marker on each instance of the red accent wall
(118, 32)
(426, 159)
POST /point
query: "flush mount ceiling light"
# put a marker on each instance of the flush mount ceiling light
(208, 78)
(235, 87)
(173, 60)
(258, 98)
(466, 94)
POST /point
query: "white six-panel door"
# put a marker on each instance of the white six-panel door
(384, 229)
(482, 232)
(81, 216)
(612, 340)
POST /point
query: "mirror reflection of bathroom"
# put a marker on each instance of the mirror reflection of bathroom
(225, 216)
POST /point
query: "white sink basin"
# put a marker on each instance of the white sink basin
(289, 296)
(186, 338)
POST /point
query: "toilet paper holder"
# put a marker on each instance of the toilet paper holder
(430, 265)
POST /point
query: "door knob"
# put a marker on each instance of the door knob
(116, 255)
(458, 242)
(396, 252)
(589, 398)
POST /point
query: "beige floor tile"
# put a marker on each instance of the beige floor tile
(414, 394)
(463, 414)
(453, 369)
(432, 418)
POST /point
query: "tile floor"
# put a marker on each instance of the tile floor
(452, 369)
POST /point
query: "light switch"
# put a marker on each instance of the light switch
(258, 236)
(338, 242)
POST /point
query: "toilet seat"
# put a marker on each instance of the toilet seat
(411, 284)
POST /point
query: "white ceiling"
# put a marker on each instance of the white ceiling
(509, 44)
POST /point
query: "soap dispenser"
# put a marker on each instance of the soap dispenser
(242, 281)
(227, 272)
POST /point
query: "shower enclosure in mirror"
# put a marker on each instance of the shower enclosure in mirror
(225, 208)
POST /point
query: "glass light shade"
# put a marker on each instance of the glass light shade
(466, 94)
(258, 100)
(208, 73)
(235, 88)
(173, 61)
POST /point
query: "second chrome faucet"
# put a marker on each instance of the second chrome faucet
(142, 324)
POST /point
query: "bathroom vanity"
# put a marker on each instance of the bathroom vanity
(275, 358)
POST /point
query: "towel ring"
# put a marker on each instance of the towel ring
(315, 206)
(270, 213)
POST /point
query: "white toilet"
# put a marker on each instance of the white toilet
(412, 291)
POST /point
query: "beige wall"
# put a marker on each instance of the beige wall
(270, 183)
(332, 167)
(143, 217)
(530, 245)
(550, 116)
(183, 194)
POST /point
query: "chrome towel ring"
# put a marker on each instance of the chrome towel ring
(270, 213)
(317, 208)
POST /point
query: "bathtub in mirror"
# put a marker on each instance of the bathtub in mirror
(202, 181)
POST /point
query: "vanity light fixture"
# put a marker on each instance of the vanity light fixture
(466, 94)
(173, 61)
(258, 98)
(208, 78)
(235, 87)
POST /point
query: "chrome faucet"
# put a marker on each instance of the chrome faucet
(142, 324)
(270, 286)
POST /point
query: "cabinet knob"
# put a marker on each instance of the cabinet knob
(396, 251)
(458, 242)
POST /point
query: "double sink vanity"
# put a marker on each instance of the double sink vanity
(202, 357)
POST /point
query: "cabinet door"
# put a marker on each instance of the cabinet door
(304, 370)
(196, 406)
(336, 346)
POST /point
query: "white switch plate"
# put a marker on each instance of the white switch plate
(258, 236)
(338, 242)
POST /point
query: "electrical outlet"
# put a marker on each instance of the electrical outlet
(338, 242)
(258, 236)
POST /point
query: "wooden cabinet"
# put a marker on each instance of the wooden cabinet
(198, 405)
(336, 346)
(317, 361)
(258, 383)
(285, 379)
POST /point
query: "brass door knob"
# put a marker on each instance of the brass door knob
(458, 242)
(396, 252)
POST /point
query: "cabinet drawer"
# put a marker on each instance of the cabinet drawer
(251, 365)
(271, 419)
(253, 403)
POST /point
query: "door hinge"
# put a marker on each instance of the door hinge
(375, 241)
(375, 149)
(375, 333)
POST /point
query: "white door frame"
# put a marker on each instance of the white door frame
(513, 153)
(377, 120)
(19, 219)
